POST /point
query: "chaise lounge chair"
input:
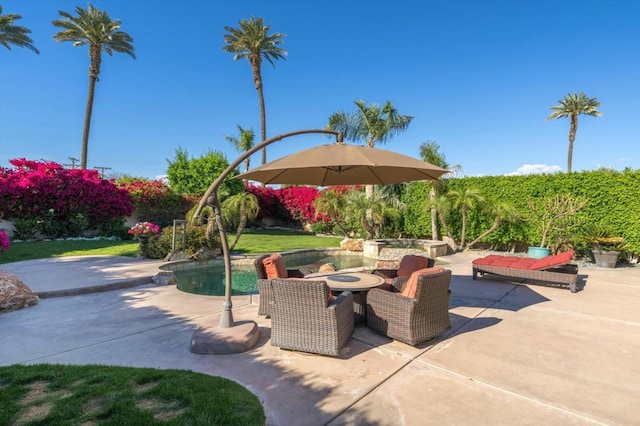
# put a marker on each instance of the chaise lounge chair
(553, 269)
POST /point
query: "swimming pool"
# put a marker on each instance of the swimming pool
(207, 278)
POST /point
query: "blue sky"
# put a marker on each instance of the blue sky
(478, 76)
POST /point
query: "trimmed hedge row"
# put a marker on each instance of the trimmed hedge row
(612, 196)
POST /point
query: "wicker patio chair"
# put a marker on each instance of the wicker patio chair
(412, 320)
(264, 284)
(303, 318)
(408, 264)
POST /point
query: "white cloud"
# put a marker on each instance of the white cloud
(163, 179)
(535, 169)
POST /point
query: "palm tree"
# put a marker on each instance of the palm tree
(379, 209)
(331, 204)
(430, 153)
(237, 210)
(501, 210)
(442, 205)
(243, 142)
(464, 200)
(572, 106)
(371, 123)
(96, 29)
(252, 41)
(14, 34)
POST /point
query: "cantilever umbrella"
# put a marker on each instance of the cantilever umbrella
(342, 164)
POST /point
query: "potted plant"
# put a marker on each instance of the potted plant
(552, 215)
(605, 247)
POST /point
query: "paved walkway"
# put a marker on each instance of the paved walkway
(516, 354)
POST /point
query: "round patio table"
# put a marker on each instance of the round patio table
(357, 283)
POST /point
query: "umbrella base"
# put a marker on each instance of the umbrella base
(216, 340)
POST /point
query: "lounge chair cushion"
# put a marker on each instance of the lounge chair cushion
(274, 267)
(409, 290)
(516, 262)
(411, 263)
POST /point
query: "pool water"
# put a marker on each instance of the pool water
(207, 278)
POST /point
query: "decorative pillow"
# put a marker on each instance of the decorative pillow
(410, 288)
(410, 263)
(274, 267)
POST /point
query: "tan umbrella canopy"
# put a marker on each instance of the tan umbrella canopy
(342, 164)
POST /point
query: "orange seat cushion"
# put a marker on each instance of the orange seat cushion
(274, 267)
(410, 288)
(411, 263)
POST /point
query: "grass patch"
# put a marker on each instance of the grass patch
(251, 242)
(93, 394)
(28, 250)
(269, 241)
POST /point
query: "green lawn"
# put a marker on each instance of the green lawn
(94, 394)
(251, 242)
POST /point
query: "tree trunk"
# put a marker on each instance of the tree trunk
(572, 138)
(463, 232)
(241, 225)
(434, 215)
(445, 226)
(257, 80)
(94, 71)
(495, 225)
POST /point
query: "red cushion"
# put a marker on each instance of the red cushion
(274, 267)
(558, 259)
(411, 263)
(410, 288)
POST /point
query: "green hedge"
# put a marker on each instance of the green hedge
(612, 202)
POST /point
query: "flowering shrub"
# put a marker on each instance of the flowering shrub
(60, 201)
(154, 201)
(4, 241)
(298, 200)
(144, 229)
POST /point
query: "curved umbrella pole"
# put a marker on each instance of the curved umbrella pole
(211, 197)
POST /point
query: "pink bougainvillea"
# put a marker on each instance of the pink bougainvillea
(33, 189)
(4, 241)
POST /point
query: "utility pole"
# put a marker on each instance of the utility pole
(102, 169)
(73, 163)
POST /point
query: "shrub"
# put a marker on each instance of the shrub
(158, 246)
(64, 202)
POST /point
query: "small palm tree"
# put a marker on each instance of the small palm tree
(251, 40)
(379, 209)
(572, 106)
(442, 204)
(464, 200)
(237, 210)
(331, 204)
(501, 211)
(14, 34)
(243, 142)
(94, 28)
(430, 153)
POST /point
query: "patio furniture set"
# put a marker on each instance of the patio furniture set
(317, 312)
(307, 314)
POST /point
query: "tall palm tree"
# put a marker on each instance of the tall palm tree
(572, 106)
(243, 142)
(370, 123)
(251, 40)
(430, 153)
(464, 200)
(96, 29)
(14, 34)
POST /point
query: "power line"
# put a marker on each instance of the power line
(101, 169)
(73, 163)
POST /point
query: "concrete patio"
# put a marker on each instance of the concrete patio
(517, 354)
